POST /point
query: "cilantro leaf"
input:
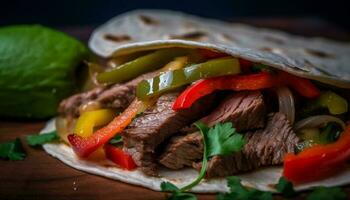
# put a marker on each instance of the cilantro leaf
(285, 187)
(182, 196)
(239, 192)
(116, 140)
(223, 140)
(169, 187)
(327, 193)
(12, 150)
(176, 192)
(35, 140)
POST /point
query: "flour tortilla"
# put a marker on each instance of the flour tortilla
(262, 179)
(315, 58)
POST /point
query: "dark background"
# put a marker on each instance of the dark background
(93, 12)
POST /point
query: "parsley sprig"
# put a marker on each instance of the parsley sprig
(222, 139)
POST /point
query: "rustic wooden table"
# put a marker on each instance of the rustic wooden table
(41, 176)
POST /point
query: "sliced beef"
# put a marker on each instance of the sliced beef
(246, 110)
(70, 106)
(156, 124)
(117, 96)
(182, 151)
(264, 147)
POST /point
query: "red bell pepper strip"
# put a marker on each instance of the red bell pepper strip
(83, 147)
(204, 87)
(257, 81)
(301, 85)
(319, 161)
(119, 157)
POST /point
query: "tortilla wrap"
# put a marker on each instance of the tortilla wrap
(314, 58)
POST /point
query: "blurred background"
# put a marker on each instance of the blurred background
(65, 13)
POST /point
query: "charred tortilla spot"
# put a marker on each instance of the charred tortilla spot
(117, 38)
(197, 35)
(318, 53)
(148, 20)
(269, 49)
(274, 40)
(228, 37)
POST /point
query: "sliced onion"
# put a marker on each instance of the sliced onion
(286, 103)
(62, 128)
(89, 106)
(317, 121)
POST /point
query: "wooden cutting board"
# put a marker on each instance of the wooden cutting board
(41, 176)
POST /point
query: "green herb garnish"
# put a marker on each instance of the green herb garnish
(285, 187)
(176, 192)
(327, 193)
(239, 192)
(222, 139)
(116, 140)
(12, 150)
(35, 140)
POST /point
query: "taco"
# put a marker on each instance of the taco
(194, 94)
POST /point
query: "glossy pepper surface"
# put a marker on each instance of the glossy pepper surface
(90, 119)
(174, 79)
(119, 157)
(141, 65)
(318, 162)
(83, 147)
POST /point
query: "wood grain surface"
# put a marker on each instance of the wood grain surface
(41, 176)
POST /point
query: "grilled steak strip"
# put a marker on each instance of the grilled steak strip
(246, 110)
(117, 96)
(182, 151)
(264, 147)
(155, 125)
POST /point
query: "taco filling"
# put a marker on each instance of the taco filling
(144, 111)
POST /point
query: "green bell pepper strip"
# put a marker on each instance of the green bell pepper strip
(313, 136)
(174, 79)
(140, 66)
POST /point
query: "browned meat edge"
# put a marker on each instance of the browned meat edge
(117, 96)
(264, 147)
(156, 124)
(246, 110)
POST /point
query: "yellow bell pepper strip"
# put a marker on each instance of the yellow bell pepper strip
(83, 147)
(84, 143)
(335, 103)
(318, 162)
(91, 119)
(141, 65)
(174, 79)
(328, 100)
